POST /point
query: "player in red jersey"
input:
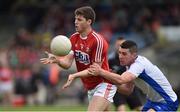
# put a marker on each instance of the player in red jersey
(88, 47)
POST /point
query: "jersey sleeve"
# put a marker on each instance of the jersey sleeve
(136, 69)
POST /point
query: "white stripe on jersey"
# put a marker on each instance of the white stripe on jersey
(99, 47)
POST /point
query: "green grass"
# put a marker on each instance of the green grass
(48, 108)
(45, 108)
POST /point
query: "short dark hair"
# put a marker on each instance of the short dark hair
(87, 11)
(131, 45)
(120, 38)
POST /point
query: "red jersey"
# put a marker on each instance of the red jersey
(93, 48)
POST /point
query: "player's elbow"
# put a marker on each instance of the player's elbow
(66, 65)
(130, 90)
(130, 87)
(126, 92)
(125, 89)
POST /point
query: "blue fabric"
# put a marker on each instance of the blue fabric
(160, 106)
(155, 86)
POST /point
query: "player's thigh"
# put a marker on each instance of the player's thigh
(98, 103)
(101, 96)
(104, 90)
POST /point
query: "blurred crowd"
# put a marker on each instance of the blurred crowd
(37, 21)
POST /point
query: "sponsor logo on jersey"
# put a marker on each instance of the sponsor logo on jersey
(82, 57)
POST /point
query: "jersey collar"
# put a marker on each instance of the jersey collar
(84, 38)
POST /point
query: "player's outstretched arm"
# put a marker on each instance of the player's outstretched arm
(69, 81)
(71, 77)
(126, 77)
(64, 62)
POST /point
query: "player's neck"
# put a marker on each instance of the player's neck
(86, 32)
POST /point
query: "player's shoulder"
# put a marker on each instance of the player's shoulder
(142, 59)
(143, 62)
(74, 35)
(96, 34)
(98, 37)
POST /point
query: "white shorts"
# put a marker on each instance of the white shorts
(105, 90)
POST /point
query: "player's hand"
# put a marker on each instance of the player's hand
(50, 58)
(69, 81)
(94, 69)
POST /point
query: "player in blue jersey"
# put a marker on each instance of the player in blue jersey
(145, 75)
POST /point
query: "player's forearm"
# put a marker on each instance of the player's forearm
(63, 64)
(113, 77)
(83, 73)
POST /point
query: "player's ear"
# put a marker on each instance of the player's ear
(134, 54)
(89, 21)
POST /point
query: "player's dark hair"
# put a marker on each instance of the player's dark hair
(120, 38)
(86, 11)
(131, 45)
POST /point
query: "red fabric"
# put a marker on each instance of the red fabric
(86, 51)
(108, 89)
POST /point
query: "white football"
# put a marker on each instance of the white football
(60, 45)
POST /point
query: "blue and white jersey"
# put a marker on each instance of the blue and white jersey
(152, 81)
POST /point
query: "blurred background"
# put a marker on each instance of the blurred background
(27, 27)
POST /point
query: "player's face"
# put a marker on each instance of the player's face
(81, 23)
(126, 58)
